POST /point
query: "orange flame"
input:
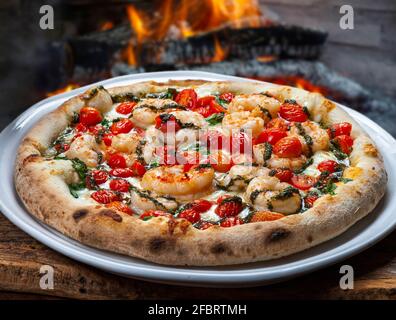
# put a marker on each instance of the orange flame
(220, 53)
(107, 25)
(69, 87)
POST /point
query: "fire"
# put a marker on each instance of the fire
(186, 18)
(107, 25)
(69, 87)
(220, 53)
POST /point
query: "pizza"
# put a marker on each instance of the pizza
(199, 173)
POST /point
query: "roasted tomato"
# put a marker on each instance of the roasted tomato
(119, 185)
(310, 199)
(117, 161)
(292, 112)
(266, 216)
(278, 123)
(190, 215)
(104, 196)
(90, 116)
(201, 205)
(167, 122)
(122, 172)
(231, 221)
(271, 136)
(99, 176)
(344, 143)
(220, 161)
(284, 175)
(227, 96)
(223, 197)
(121, 126)
(329, 166)
(187, 98)
(288, 147)
(107, 139)
(126, 107)
(206, 106)
(138, 169)
(80, 128)
(339, 129)
(229, 207)
(120, 206)
(303, 181)
(153, 213)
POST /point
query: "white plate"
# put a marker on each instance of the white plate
(362, 235)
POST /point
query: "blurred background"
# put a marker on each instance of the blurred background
(298, 43)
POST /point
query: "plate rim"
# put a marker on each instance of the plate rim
(170, 274)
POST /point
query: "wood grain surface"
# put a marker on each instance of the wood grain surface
(21, 258)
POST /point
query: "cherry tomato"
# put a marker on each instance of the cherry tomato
(90, 116)
(104, 196)
(284, 175)
(100, 176)
(310, 199)
(223, 197)
(344, 142)
(119, 185)
(187, 98)
(138, 169)
(288, 147)
(153, 213)
(230, 222)
(227, 96)
(126, 107)
(303, 181)
(117, 161)
(339, 129)
(201, 205)
(120, 206)
(167, 122)
(266, 216)
(66, 146)
(229, 207)
(292, 112)
(206, 106)
(220, 161)
(122, 172)
(278, 123)
(190, 215)
(329, 165)
(271, 136)
(107, 139)
(80, 127)
(122, 126)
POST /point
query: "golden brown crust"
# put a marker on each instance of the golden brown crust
(42, 187)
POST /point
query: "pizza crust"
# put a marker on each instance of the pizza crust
(176, 242)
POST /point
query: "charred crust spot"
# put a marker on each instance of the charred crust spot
(157, 244)
(221, 248)
(277, 235)
(30, 158)
(79, 214)
(370, 150)
(309, 239)
(112, 214)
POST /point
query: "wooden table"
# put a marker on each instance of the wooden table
(21, 258)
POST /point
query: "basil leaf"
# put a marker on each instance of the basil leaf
(74, 187)
(215, 118)
(80, 167)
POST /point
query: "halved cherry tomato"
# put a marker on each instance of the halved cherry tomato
(292, 112)
(227, 96)
(339, 129)
(100, 176)
(104, 196)
(120, 206)
(126, 107)
(117, 161)
(344, 142)
(266, 216)
(153, 213)
(206, 106)
(122, 172)
(107, 139)
(284, 175)
(190, 215)
(229, 207)
(167, 122)
(201, 205)
(187, 98)
(80, 127)
(90, 116)
(310, 199)
(278, 123)
(288, 147)
(122, 126)
(303, 181)
(231, 221)
(138, 169)
(328, 165)
(271, 136)
(223, 197)
(119, 185)
(220, 161)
